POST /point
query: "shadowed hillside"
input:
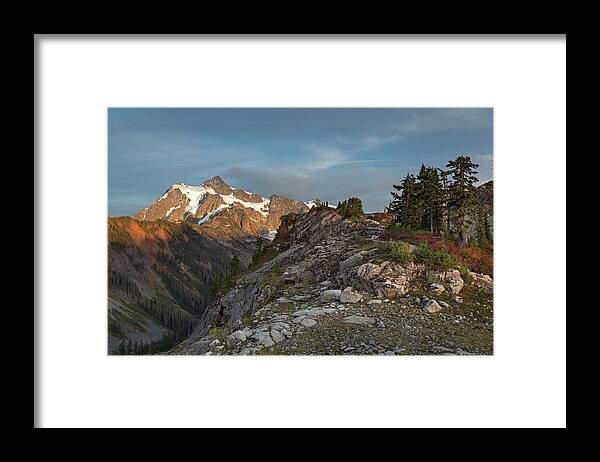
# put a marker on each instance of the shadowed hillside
(160, 278)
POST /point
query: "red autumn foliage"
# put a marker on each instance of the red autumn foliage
(471, 256)
(381, 217)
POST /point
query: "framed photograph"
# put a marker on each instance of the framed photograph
(262, 231)
(328, 223)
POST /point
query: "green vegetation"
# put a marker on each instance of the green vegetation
(400, 252)
(441, 201)
(228, 281)
(461, 193)
(127, 347)
(247, 320)
(436, 259)
(322, 206)
(351, 208)
(219, 333)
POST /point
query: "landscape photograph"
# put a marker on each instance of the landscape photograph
(300, 231)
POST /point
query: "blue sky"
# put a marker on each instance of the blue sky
(330, 154)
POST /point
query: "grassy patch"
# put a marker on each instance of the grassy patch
(219, 333)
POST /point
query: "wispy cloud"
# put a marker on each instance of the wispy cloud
(367, 142)
(321, 157)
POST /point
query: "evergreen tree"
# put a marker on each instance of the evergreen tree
(462, 193)
(351, 208)
(403, 204)
(443, 174)
(235, 264)
(430, 199)
(258, 249)
(484, 232)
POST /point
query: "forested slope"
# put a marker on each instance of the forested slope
(160, 279)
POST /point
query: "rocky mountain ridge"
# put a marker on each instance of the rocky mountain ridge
(333, 288)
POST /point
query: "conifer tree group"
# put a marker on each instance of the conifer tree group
(351, 208)
(436, 198)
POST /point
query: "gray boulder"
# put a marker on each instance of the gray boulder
(431, 306)
(236, 338)
(308, 322)
(351, 262)
(330, 295)
(348, 295)
(277, 336)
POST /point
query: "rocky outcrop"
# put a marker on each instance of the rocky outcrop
(452, 279)
(482, 281)
(384, 280)
(330, 280)
(349, 295)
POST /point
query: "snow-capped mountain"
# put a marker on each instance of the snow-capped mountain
(223, 210)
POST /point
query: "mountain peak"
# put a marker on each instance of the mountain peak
(217, 183)
(215, 180)
(221, 209)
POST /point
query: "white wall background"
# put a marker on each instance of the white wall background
(523, 384)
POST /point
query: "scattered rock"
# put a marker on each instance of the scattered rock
(236, 338)
(374, 302)
(348, 295)
(289, 277)
(308, 322)
(351, 262)
(483, 281)
(300, 298)
(286, 333)
(263, 338)
(330, 295)
(436, 288)
(431, 306)
(299, 319)
(277, 336)
(359, 320)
